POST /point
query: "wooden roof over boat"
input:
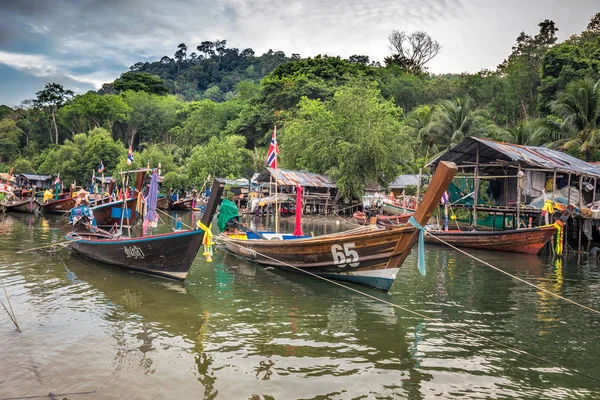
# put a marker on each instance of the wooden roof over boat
(286, 177)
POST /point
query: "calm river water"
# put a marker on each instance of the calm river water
(237, 331)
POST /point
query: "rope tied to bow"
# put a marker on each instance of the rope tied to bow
(421, 245)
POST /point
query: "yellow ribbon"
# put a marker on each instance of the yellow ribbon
(206, 240)
(548, 207)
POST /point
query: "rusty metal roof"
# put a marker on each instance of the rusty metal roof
(286, 177)
(533, 156)
(35, 177)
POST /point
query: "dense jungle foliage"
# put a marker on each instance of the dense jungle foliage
(212, 111)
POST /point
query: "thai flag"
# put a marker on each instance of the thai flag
(101, 167)
(130, 156)
(273, 150)
(57, 180)
(445, 198)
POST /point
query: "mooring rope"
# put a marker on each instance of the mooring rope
(516, 277)
(424, 316)
(11, 314)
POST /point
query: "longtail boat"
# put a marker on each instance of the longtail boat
(527, 241)
(60, 206)
(395, 210)
(182, 205)
(361, 217)
(162, 202)
(169, 255)
(23, 206)
(109, 214)
(367, 256)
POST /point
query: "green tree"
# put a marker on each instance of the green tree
(176, 181)
(530, 132)
(141, 82)
(5, 111)
(151, 117)
(419, 123)
(224, 157)
(202, 120)
(92, 110)
(579, 107)
(79, 157)
(22, 165)
(453, 121)
(53, 97)
(523, 66)
(355, 137)
(10, 138)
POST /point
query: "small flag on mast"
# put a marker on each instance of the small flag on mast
(57, 180)
(101, 167)
(273, 150)
(130, 156)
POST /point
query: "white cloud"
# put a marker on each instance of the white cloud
(34, 64)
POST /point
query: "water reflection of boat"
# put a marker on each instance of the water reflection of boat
(367, 256)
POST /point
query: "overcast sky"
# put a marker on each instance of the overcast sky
(84, 43)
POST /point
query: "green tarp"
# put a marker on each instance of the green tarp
(227, 211)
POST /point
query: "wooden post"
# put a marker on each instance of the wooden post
(444, 174)
(419, 184)
(580, 219)
(569, 190)
(476, 186)
(554, 184)
(519, 197)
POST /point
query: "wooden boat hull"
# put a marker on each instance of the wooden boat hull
(162, 203)
(61, 206)
(383, 219)
(395, 210)
(169, 255)
(110, 213)
(182, 205)
(368, 255)
(363, 257)
(526, 241)
(23, 206)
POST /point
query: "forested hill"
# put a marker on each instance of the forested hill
(212, 111)
(212, 67)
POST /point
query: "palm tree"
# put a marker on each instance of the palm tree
(454, 120)
(579, 107)
(530, 132)
(418, 124)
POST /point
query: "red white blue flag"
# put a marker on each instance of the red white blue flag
(57, 180)
(130, 156)
(445, 198)
(101, 167)
(273, 150)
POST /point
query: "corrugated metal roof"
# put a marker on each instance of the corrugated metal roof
(534, 156)
(403, 181)
(35, 177)
(287, 177)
